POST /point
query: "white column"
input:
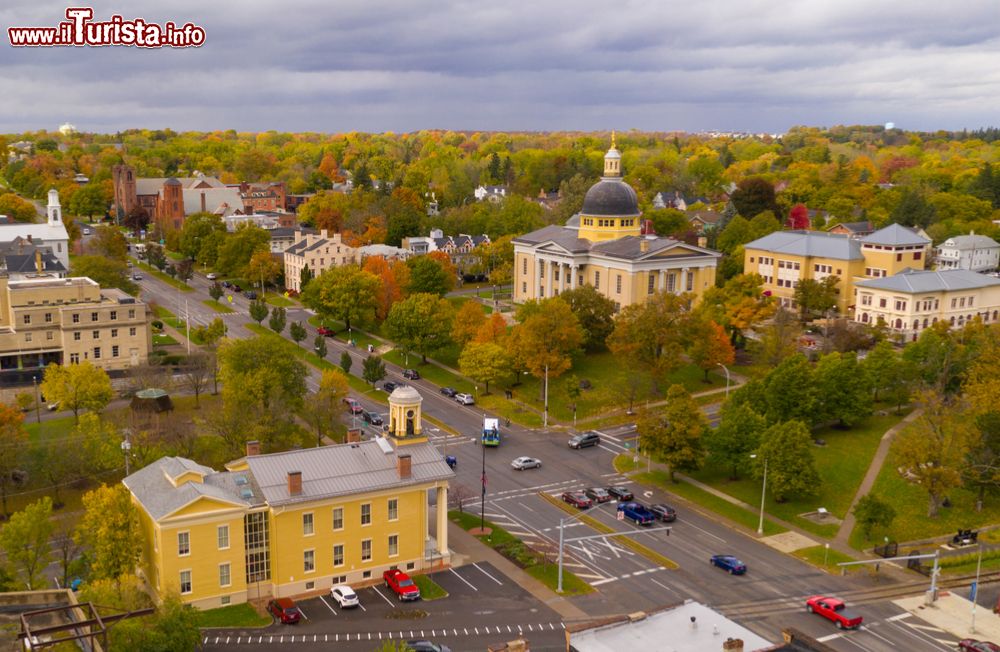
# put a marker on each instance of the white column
(684, 280)
(539, 278)
(575, 271)
(563, 270)
(663, 280)
(442, 520)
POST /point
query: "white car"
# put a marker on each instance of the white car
(86, 231)
(522, 463)
(345, 596)
(465, 399)
(211, 276)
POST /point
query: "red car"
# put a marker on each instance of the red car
(401, 584)
(971, 645)
(834, 610)
(353, 406)
(284, 609)
(326, 332)
(577, 499)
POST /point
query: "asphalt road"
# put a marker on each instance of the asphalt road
(769, 597)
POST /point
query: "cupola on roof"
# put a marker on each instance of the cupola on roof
(611, 196)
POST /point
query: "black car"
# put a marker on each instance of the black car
(411, 374)
(584, 439)
(235, 288)
(389, 386)
(664, 512)
(449, 392)
(620, 493)
(426, 646)
(371, 418)
(250, 294)
(226, 284)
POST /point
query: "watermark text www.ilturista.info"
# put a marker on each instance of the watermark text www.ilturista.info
(81, 30)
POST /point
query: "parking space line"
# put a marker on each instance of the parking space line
(323, 600)
(375, 589)
(302, 613)
(463, 579)
(487, 574)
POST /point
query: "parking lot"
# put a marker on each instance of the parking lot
(483, 607)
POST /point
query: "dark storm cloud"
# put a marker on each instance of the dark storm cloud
(381, 65)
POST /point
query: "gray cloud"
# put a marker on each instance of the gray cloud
(753, 65)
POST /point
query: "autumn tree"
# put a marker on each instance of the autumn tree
(239, 248)
(421, 323)
(108, 242)
(778, 340)
(345, 293)
(25, 542)
(737, 436)
(787, 449)
(798, 217)
(485, 363)
(468, 320)
(739, 305)
(595, 312)
(492, 330)
(391, 289)
(110, 532)
(545, 340)
(323, 407)
(262, 268)
(77, 387)
(16, 208)
(674, 432)
(710, 347)
(651, 335)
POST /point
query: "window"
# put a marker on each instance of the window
(393, 509)
(338, 518)
(76, 318)
(881, 302)
(899, 257)
(48, 335)
(309, 561)
(225, 575)
(866, 299)
(618, 284)
(524, 287)
(131, 331)
(366, 514)
(93, 316)
(651, 287)
(597, 279)
(222, 533)
(48, 318)
(393, 545)
(74, 358)
(183, 544)
(971, 299)
(97, 335)
(114, 332)
(185, 582)
(307, 524)
(114, 315)
(954, 302)
(366, 550)
(917, 255)
(27, 319)
(131, 314)
(97, 353)
(338, 555)
(524, 266)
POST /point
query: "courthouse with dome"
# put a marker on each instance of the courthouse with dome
(606, 246)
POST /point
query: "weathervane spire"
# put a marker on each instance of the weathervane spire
(612, 139)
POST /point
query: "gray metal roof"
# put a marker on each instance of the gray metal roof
(920, 281)
(560, 235)
(628, 247)
(159, 497)
(972, 241)
(344, 469)
(895, 235)
(809, 243)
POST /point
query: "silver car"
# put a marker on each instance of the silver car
(465, 399)
(522, 463)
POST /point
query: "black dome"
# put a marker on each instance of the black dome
(611, 197)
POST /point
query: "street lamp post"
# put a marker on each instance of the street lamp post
(482, 501)
(545, 414)
(38, 403)
(726, 369)
(763, 493)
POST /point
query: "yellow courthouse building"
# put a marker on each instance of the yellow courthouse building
(606, 246)
(289, 523)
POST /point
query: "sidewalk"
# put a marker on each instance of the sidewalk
(953, 614)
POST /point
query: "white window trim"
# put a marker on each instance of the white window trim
(371, 550)
(362, 515)
(313, 551)
(388, 554)
(229, 540)
(388, 511)
(312, 524)
(188, 553)
(343, 555)
(180, 583)
(230, 574)
(334, 519)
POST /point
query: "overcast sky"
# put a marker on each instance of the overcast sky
(385, 65)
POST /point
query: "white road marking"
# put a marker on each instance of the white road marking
(323, 600)
(663, 586)
(487, 574)
(463, 579)
(374, 588)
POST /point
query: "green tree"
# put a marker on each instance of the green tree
(344, 293)
(843, 390)
(279, 317)
(110, 532)
(787, 448)
(595, 313)
(420, 323)
(297, 331)
(258, 310)
(789, 392)
(346, 361)
(429, 276)
(651, 335)
(259, 372)
(77, 387)
(239, 248)
(319, 346)
(323, 407)
(737, 436)
(105, 272)
(778, 340)
(816, 298)
(872, 512)
(174, 626)
(185, 269)
(92, 199)
(485, 363)
(263, 268)
(753, 196)
(215, 291)
(109, 242)
(373, 369)
(25, 542)
(879, 365)
(197, 230)
(155, 256)
(674, 433)
(305, 276)
(912, 210)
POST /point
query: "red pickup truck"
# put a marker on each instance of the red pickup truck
(833, 609)
(401, 584)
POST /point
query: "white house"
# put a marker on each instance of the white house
(51, 233)
(977, 253)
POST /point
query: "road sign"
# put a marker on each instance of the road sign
(628, 445)
(621, 516)
(635, 459)
(973, 590)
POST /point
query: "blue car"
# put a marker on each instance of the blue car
(729, 563)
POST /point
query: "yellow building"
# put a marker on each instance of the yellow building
(290, 523)
(317, 252)
(784, 258)
(606, 246)
(911, 301)
(69, 320)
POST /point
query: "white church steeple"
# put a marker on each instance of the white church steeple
(54, 210)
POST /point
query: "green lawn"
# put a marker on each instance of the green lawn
(52, 429)
(168, 317)
(361, 339)
(429, 589)
(275, 299)
(841, 463)
(169, 280)
(217, 306)
(235, 615)
(457, 302)
(824, 559)
(162, 339)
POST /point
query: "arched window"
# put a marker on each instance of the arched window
(925, 322)
(899, 324)
(864, 318)
(916, 324)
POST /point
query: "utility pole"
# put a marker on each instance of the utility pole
(38, 406)
(127, 448)
(187, 325)
(545, 414)
(482, 502)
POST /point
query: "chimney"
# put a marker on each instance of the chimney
(295, 483)
(29, 237)
(702, 241)
(733, 645)
(353, 435)
(203, 202)
(253, 447)
(39, 265)
(403, 466)
(643, 245)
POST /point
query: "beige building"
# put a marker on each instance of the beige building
(606, 246)
(911, 301)
(317, 252)
(69, 320)
(784, 258)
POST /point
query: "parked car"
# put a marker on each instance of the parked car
(449, 392)
(833, 609)
(522, 463)
(326, 332)
(465, 399)
(597, 494)
(412, 374)
(250, 294)
(637, 513)
(426, 646)
(345, 596)
(211, 276)
(663, 512)
(136, 276)
(226, 284)
(353, 406)
(577, 499)
(235, 288)
(371, 418)
(584, 439)
(620, 493)
(388, 386)
(400, 583)
(87, 231)
(972, 645)
(291, 293)
(284, 610)
(728, 563)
